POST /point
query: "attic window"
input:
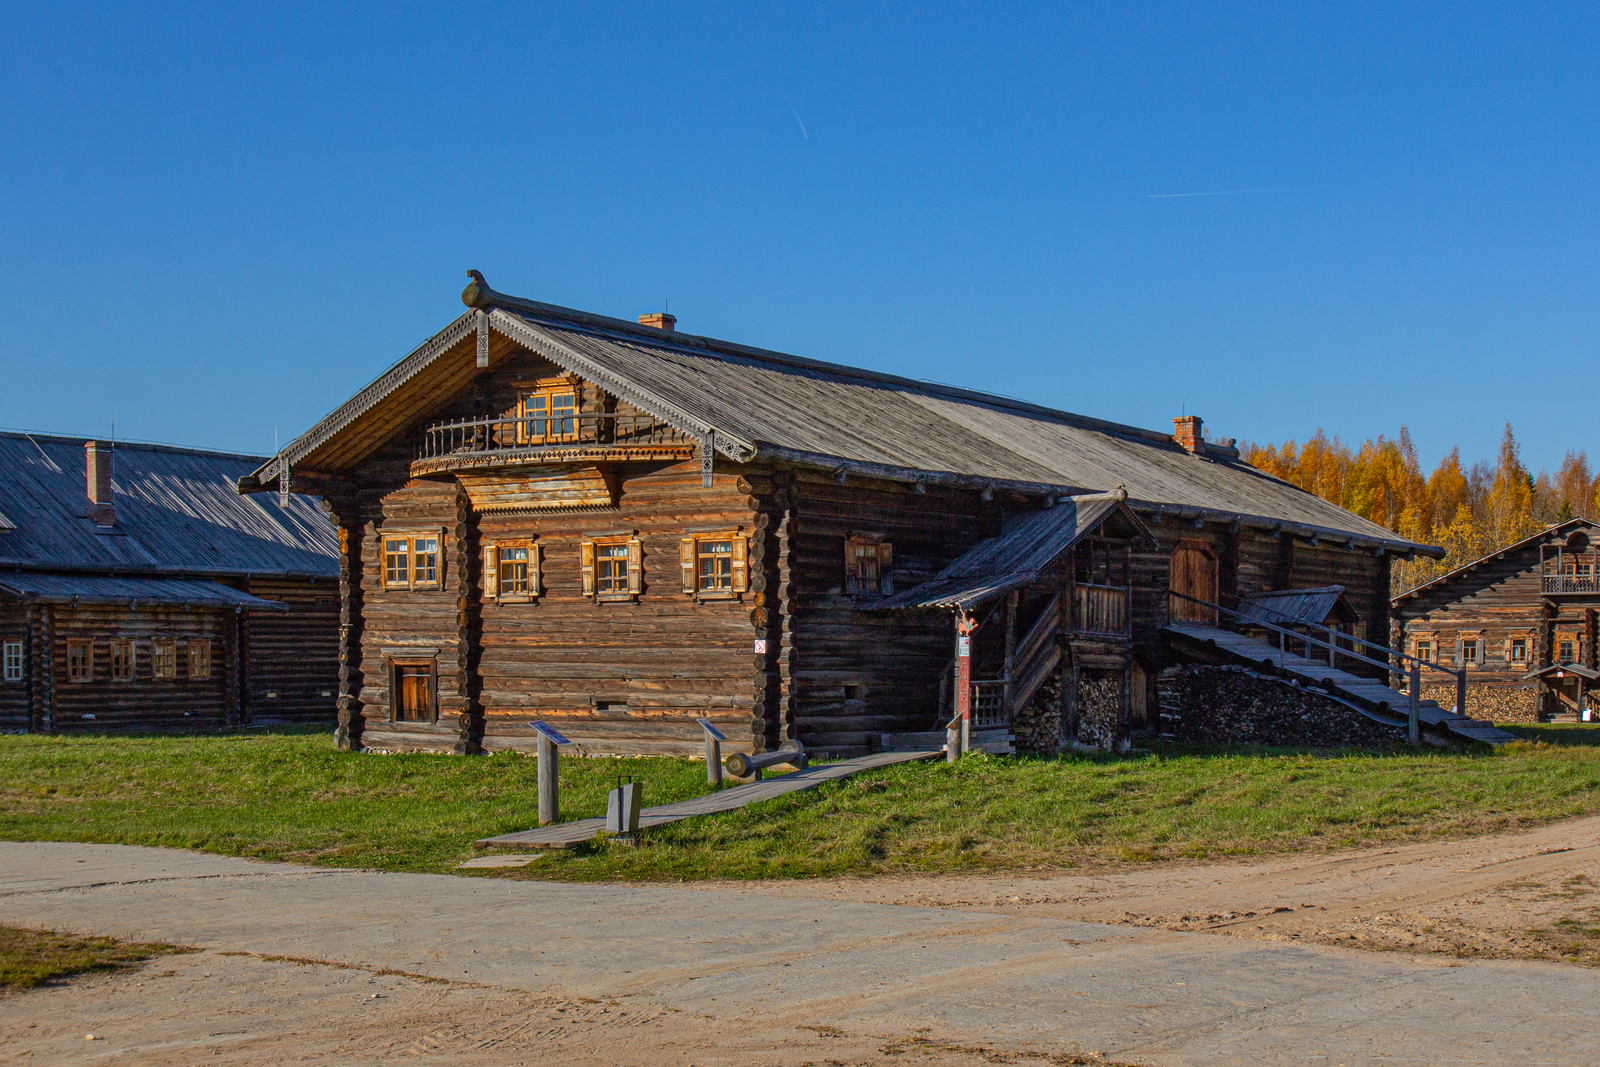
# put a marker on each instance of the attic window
(867, 558)
(548, 412)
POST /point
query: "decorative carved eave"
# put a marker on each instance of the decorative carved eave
(534, 457)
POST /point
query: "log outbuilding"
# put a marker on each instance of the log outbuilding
(139, 591)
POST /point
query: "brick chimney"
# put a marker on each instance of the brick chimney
(661, 320)
(1186, 431)
(98, 459)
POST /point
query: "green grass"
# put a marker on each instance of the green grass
(293, 796)
(30, 958)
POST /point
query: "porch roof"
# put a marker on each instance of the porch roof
(1000, 564)
(1557, 668)
(1298, 606)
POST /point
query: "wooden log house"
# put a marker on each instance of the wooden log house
(1522, 622)
(546, 514)
(139, 591)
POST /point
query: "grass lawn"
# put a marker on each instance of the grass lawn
(32, 957)
(293, 796)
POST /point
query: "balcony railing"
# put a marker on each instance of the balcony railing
(470, 436)
(1570, 583)
(1101, 609)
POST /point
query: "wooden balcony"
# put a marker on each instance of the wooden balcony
(596, 437)
(1569, 583)
(1100, 609)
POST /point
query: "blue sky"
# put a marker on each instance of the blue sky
(218, 220)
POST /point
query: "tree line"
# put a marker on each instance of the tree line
(1467, 511)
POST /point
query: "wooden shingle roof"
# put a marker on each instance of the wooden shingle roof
(177, 512)
(762, 405)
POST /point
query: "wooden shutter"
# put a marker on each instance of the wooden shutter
(588, 568)
(535, 558)
(635, 566)
(741, 564)
(491, 571)
(686, 559)
(885, 558)
(850, 583)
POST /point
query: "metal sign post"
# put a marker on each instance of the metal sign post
(549, 772)
(714, 739)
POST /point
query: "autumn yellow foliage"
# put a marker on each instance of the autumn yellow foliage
(1467, 512)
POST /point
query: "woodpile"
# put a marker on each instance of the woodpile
(1038, 726)
(1498, 703)
(1238, 706)
(1100, 700)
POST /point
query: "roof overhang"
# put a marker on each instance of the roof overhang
(45, 588)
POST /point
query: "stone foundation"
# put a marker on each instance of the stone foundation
(1237, 706)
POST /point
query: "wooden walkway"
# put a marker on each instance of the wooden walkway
(567, 834)
(1382, 703)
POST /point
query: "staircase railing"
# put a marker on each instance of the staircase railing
(1388, 667)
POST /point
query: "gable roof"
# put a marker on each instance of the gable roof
(1016, 559)
(1295, 606)
(1464, 574)
(177, 512)
(761, 405)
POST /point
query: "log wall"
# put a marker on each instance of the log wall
(17, 622)
(291, 670)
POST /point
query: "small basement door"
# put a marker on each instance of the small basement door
(414, 687)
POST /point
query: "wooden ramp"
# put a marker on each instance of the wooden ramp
(568, 834)
(1376, 699)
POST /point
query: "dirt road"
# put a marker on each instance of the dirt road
(357, 967)
(1532, 895)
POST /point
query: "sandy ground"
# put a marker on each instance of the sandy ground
(1532, 895)
(1240, 963)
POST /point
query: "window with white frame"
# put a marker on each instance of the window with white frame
(11, 660)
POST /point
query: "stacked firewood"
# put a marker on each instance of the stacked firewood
(1238, 706)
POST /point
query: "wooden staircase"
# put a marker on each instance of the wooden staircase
(1373, 698)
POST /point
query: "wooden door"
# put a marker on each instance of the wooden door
(1194, 573)
(415, 684)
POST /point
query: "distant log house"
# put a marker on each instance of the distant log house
(139, 591)
(546, 514)
(1523, 622)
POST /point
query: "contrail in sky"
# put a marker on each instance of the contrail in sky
(803, 132)
(1227, 192)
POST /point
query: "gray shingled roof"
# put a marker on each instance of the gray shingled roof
(98, 589)
(177, 512)
(767, 405)
(1294, 606)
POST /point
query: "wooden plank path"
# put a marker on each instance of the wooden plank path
(567, 834)
(1366, 691)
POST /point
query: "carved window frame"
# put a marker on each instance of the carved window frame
(692, 553)
(495, 585)
(408, 541)
(633, 567)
